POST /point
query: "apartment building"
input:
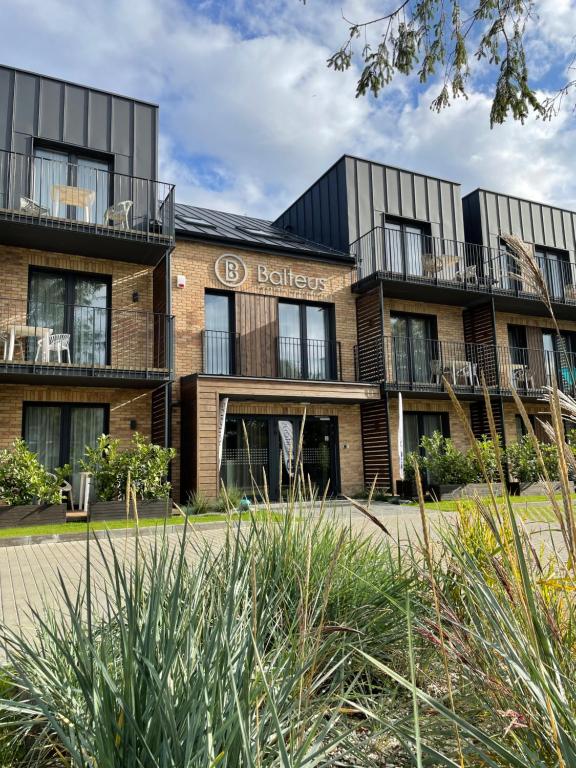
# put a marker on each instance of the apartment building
(233, 338)
(86, 231)
(439, 295)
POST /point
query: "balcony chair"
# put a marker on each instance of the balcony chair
(118, 214)
(27, 205)
(523, 377)
(469, 372)
(57, 342)
(468, 275)
(18, 345)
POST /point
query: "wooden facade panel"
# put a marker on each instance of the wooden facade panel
(257, 320)
(376, 444)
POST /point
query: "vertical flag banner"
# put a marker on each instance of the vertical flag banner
(286, 429)
(221, 429)
(400, 436)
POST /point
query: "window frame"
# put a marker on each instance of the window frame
(444, 420)
(70, 276)
(231, 297)
(65, 421)
(302, 304)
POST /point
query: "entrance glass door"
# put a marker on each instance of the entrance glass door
(269, 457)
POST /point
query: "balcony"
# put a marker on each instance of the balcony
(420, 365)
(233, 354)
(457, 271)
(84, 210)
(44, 342)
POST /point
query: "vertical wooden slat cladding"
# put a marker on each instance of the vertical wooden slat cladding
(480, 333)
(257, 320)
(536, 355)
(159, 410)
(369, 331)
(376, 443)
(479, 419)
(189, 431)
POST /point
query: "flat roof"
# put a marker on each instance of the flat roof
(520, 199)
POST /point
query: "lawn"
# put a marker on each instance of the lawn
(534, 508)
(48, 530)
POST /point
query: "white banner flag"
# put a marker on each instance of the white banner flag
(221, 429)
(400, 437)
(286, 429)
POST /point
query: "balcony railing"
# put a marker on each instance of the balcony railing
(233, 354)
(408, 364)
(67, 196)
(49, 339)
(421, 258)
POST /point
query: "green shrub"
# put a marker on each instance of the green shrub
(198, 503)
(147, 464)
(523, 463)
(444, 463)
(23, 479)
(488, 469)
(228, 500)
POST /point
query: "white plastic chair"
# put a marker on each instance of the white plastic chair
(57, 342)
(118, 214)
(27, 205)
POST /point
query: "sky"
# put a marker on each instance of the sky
(250, 115)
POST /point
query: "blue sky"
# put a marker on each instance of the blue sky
(250, 115)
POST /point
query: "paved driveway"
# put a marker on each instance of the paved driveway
(32, 575)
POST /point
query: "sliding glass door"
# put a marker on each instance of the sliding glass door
(60, 433)
(73, 304)
(306, 347)
(413, 347)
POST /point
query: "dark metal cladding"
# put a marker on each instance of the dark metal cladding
(356, 195)
(491, 214)
(36, 108)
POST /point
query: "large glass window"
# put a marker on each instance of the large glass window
(414, 346)
(245, 456)
(74, 304)
(60, 433)
(306, 348)
(71, 186)
(405, 246)
(219, 346)
(555, 266)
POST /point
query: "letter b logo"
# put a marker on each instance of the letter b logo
(230, 270)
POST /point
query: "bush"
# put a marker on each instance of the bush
(523, 463)
(147, 464)
(488, 470)
(444, 463)
(228, 500)
(198, 503)
(23, 479)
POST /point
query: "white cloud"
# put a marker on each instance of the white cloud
(250, 115)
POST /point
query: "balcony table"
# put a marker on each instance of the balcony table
(16, 330)
(432, 265)
(78, 197)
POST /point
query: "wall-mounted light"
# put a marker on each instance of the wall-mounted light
(135, 297)
(133, 425)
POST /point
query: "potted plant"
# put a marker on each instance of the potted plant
(447, 468)
(29, 494)
(142, 467)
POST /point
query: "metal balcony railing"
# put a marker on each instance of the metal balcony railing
(63, 195)
(259, 355)
(416, 257)
(403, 363)
(74, 340)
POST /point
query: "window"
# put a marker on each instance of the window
(556, 268)
(73, 303)
(306, 346)
(405, 243)
(419, 424)
(219, 336)
(53, 170)
(59, 433)
(518, 344)
(414, 346)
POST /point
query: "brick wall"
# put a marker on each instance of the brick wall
(125, 404)
(503, 319)
(457, 430)
(132, 329)
(448, 318)
(510, 412)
